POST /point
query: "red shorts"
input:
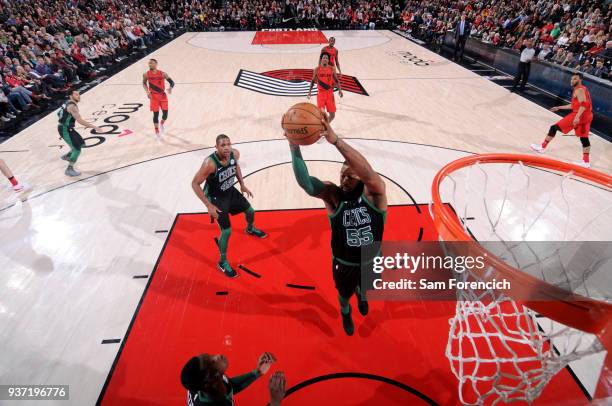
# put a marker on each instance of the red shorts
(159, 101)
(566, 124)
(325, 100)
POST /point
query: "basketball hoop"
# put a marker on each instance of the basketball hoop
(501, 346)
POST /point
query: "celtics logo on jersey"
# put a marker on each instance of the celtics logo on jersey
(356, 225)
(227, 177)
(352, 219)
(224, 177)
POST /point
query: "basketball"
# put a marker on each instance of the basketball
(302, 123)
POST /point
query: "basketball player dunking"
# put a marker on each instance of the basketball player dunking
(69, 114)
(357, 211)
(333, 54)
(220, 171)
(578, 120)
(326, 78)
(156, 92)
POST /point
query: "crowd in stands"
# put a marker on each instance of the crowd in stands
(323, 14)
(47, 48)
(573, 33)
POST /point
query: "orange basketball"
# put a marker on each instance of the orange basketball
(302, 123)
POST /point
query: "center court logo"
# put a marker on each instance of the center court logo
(290, 82)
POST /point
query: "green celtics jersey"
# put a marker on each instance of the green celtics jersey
(356, 224)
(223, 178)
(66, 119)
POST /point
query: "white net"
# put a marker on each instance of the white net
(499, 349)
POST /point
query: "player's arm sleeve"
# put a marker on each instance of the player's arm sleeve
(310, 184)
(241, 382)
(169, 79)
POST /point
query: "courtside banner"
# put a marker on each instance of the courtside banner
(523, 271)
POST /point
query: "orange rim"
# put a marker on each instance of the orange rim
(576, 311)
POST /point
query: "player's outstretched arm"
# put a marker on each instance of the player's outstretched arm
(277, 386)
(564, 107)
(357, 162)
(311, 185)
(77, 117)
(325, 191)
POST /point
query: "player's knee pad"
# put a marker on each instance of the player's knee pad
(552, 131)
(156, 117)
(164, 114)
(585, 142)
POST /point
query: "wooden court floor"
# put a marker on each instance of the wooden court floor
(70, 248)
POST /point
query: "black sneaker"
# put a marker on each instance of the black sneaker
(256, 232)
(362, 305)
(347, 323)
(227, 269)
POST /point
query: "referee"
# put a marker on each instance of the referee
(527, 54)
